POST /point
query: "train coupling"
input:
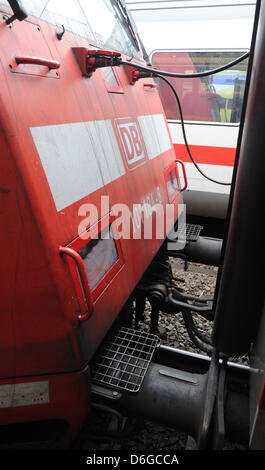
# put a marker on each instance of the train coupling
(134, 376)
(199, 249)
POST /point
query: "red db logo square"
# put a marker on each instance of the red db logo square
(131, 141)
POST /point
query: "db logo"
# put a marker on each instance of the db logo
(131, 141)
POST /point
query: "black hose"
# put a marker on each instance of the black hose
(193, 334)
(185, 137)
(201, 336)
(186, 75)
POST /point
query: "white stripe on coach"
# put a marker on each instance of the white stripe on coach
(206, 135)
(78, 158)
(197, 182)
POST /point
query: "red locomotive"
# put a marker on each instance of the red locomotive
(87, 165)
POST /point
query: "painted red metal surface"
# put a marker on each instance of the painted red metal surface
(41, 119)
(66, 400)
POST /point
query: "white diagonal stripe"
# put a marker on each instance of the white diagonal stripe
(155, 134)
(78, 158)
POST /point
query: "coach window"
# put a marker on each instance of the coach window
(215, 98)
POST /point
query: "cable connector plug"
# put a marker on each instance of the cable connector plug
(134, 73)
(90, 60)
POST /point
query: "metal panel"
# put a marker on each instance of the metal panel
(24, 394)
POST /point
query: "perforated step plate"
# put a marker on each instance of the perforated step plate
(123, 359)
(189, 231)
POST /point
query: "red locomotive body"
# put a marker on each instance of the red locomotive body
(89, 202)
(66, 141)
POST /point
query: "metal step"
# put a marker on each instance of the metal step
(190, 232)
(123, 359)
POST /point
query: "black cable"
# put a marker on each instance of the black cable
(186, 75)
(185, 138)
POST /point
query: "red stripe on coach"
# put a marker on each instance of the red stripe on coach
(206, 155)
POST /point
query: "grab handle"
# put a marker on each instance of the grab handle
(184, 175)
(83, 278)
(51, 64)
(149, 85)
